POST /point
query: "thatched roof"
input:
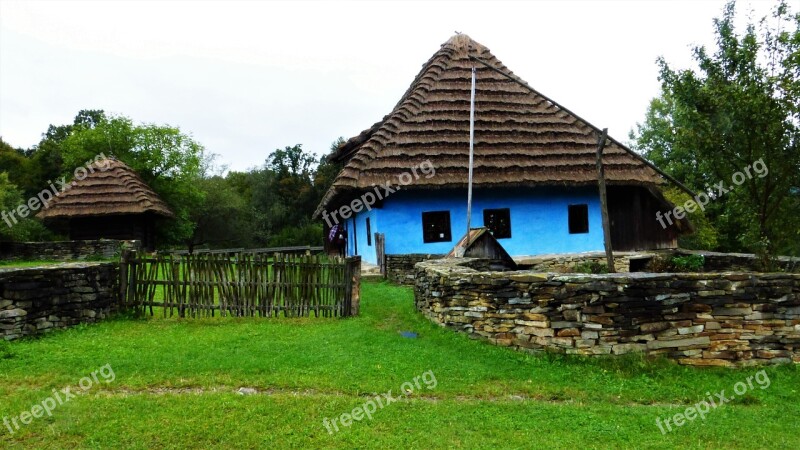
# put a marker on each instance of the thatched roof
(522, 138)
(107, 190)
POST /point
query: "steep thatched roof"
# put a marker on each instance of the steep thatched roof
(107, 190)
(522, 138)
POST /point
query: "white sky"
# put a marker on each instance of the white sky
(244, 78)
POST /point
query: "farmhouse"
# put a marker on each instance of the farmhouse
(110, 202)
(535, 176)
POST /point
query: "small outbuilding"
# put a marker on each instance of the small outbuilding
(110, 202)
(479, 243)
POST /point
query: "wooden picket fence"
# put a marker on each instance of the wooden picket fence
(240, 283)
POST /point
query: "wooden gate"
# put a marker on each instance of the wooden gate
(241, 283)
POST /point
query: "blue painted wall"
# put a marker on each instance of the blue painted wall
(360, 230)
(539, 220)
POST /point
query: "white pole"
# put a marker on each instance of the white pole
(471, 150)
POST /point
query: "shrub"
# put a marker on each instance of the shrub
(590, 267)
(688, 263)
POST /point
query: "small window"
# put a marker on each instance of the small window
(578, 219)
(498, 221)
(369, 234)
(436, 226)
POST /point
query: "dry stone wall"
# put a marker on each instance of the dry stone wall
(64, 250)
(400, 268)
(41, 299)
(706, 319)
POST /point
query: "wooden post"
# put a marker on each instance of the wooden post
(123, 277)
(601, 181)
(355, 287)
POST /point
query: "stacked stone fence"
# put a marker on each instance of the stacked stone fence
(64, 250)
(720, 319)
(564, 263)
(400, 268)
(41, 299)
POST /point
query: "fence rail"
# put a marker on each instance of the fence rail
(241, 283)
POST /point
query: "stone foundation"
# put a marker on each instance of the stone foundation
(41, 299)
(720, 319)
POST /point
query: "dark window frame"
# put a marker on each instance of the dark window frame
(498, 233)
(369, 232)
(578, 218)
(436, 227)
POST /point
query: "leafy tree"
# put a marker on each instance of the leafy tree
(17, 229)
(170, 162)
(18, 167)
(741, 106)
(223, 219)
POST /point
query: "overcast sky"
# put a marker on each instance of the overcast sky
(244, 78)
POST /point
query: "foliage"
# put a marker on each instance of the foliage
(25, 229)
(742, 105)
(19, 169)
(270, 205)
(223, 218)
(307, 234)
(688, 263)
(170, 162)
(705, 236)
(677, 263)
(590, 267)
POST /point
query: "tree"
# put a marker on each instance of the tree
(17, 229)
(223, 219)
(740, 107)
(169, 161)
(18, 167)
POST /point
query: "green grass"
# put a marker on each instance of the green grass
(13, 264)
(19, 264)
(176, 383)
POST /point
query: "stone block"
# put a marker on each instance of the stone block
(620, 349)
(13, 313)
(569, 332)
(690, 330)
(684, 342)
(654, 327)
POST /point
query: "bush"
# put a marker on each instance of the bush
(688, 263)
(308, 234)
(590, 267)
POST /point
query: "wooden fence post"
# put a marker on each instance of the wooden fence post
(355, 285)
(123, 277)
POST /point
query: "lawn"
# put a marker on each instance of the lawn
(175, 385)
(9, 264)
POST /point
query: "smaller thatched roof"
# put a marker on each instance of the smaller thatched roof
(110, 188)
